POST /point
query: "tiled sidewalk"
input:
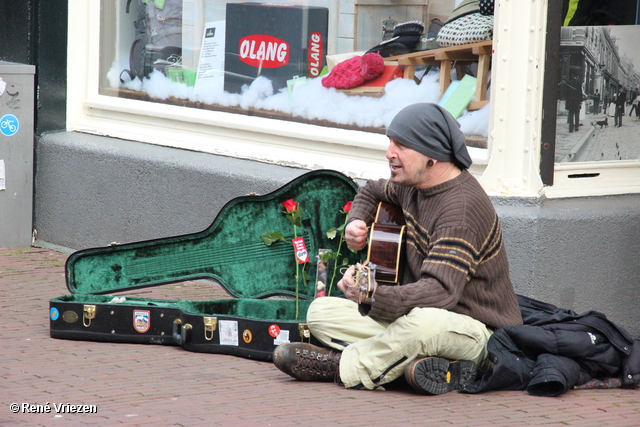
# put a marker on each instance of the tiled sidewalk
(137, 384)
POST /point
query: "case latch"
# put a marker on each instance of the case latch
(305, 333)
(210, 325)
(88, 313)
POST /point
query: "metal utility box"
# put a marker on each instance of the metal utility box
(16, 154)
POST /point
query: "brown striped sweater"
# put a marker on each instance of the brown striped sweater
(455, 256)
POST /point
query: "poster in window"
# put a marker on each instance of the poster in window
(598, 116)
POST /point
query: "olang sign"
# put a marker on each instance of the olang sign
(263, 51)
(273, 41)
(315, 56)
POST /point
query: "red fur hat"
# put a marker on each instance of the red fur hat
(355, 71)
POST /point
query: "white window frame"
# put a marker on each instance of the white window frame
(510, 166)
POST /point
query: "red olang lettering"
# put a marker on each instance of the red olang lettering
(314, 59)
(261, 50)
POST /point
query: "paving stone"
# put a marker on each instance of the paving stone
(138, 384)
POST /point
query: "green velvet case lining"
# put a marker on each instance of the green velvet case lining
(229, 251)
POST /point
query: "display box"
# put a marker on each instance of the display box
(276, 41)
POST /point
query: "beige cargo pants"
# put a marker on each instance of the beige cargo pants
(375, 352)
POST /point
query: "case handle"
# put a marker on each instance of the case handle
(180, 332)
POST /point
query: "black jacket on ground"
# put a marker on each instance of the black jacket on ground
(557, 349)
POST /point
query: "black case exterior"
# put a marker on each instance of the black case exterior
(250, 324)
(253, 339)
(141, 321)
(96, 319)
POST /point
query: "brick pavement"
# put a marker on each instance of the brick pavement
(137, 384)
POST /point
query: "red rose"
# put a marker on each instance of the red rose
(290, 205)
(347, 206)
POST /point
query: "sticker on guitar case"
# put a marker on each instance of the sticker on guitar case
(282, 338)
(247, 336)
(274, 330)
(54, 313)
(228, 332)
(141, 320)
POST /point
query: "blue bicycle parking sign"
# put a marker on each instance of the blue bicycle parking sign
(9, 125)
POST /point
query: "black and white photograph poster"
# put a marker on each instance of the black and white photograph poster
(598, 115)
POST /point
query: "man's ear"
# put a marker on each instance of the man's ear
(430, 163)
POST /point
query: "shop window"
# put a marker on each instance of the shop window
(270, 59)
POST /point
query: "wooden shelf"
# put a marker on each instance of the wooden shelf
(445, 58)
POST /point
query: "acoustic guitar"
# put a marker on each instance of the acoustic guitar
(386, 243)
(385, 254)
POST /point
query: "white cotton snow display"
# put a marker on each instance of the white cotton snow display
(312, 101)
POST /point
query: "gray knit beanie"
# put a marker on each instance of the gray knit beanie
(431, 130)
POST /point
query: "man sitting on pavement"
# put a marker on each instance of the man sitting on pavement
(455, 289)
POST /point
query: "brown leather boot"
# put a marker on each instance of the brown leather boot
(435, 375)
(307, 362)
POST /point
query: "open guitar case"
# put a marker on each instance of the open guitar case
(230, 252)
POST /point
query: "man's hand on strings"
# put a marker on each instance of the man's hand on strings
(356, 234)
(357, 292)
